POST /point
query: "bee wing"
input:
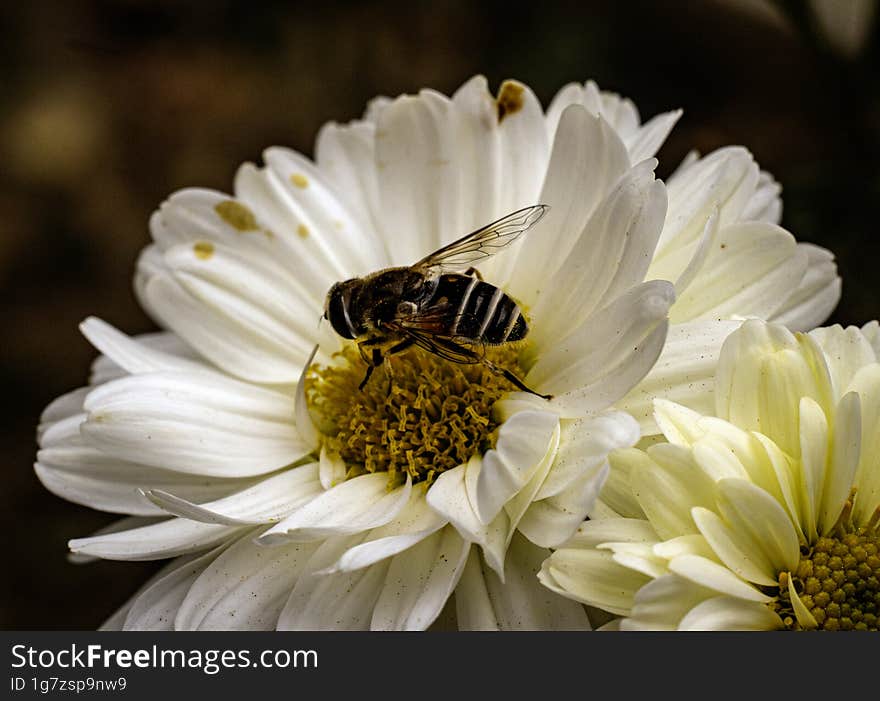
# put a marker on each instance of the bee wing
(435, 319)
(441, 346)
(483, 242)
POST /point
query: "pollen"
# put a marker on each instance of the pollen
(428, 416)
(838, 581)
(299, 180)
(237, 215)
(509, 100)
(203, 249)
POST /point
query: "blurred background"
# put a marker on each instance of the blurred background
(108, 107)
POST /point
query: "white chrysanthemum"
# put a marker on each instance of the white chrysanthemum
(765, 516)
(275, 523)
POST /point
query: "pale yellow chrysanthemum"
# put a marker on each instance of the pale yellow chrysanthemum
(764, 516)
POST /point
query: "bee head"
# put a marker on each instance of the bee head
(336, 309)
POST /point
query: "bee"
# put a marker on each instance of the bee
(451, 314)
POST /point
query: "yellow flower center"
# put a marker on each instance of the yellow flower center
(430, 415)
(838, 581)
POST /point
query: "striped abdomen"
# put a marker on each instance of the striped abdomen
(484, 312)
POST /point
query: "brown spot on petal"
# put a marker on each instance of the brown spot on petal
(203, 249)
(509, 100)
(299, 180)
(237, 215)
(303, 231)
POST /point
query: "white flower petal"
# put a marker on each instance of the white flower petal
(683, 265)
(610, 256)
(481, 174)
(304, 424)
(495, 537)
(64, 407)
(70, 468)
(663, 602)
(847, 351)
(265, 502)
(133, 354)
(473, 606)
(416, 156)
(752, 512)
(291, 193)
(718, 459)
(244, 588)
(844, 461)
(551, 521)
(714, 576)
(194, 423)
(737, 550)
(122, 524)
(867, 501)
(871, 330)
(346, 156)
(650, 137)
(116, 621)
(592, 577)
(156, 606)
(684, 372)
(818, 293)
(153, 542)
(355, 505)
(801, 612)
(608, 354)
(448, 496)
(341, 601)
(750, 271)
(588, 158)
(668, 487)
(598, 531)
(639, 557)
(524, 148)
(584, 445)
(765, 203)
(525, 442)
(680, 426)
(197, 214)
(224, 334)
(84, 475)
(413, 524)
(787, 480)
(616, 499)
(727, 613)
(763, 372)
(814, 444)
(725, 179)
(333, 468)
(259, 296)
(517, 603)
(419, 582)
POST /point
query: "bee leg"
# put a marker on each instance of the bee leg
(510, 377)
(394, 350)
(372, 363)
(472, 271)
(466, 355)
(366, 379)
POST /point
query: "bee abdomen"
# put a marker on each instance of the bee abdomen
(485, 312)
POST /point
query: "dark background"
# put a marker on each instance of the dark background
(107, 107)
